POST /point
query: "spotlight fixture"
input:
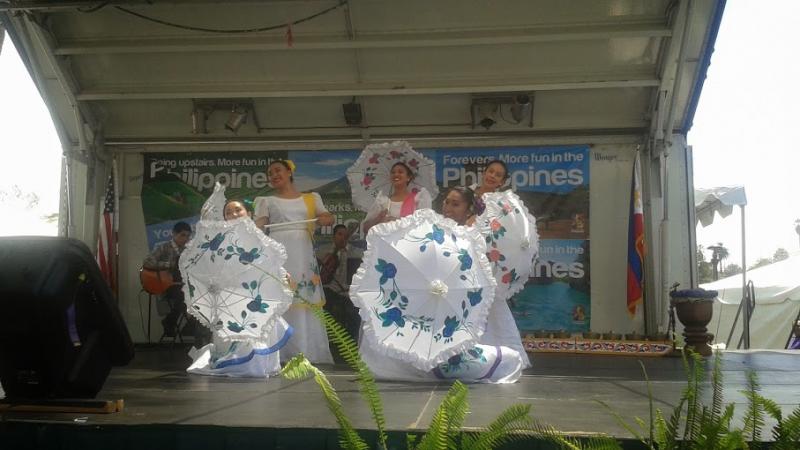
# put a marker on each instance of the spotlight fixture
(352, 113)
(521, 107)
(238, 111)
(237, 118)
(488, 109)
(485, 112)
(199, 120)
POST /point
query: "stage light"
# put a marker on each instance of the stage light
(512, 108)
(487, 111)
(237, 118)
(521, 107)
(352, 113)
(199, 120)
(239, 111)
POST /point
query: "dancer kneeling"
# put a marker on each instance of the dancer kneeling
(491, 360)
(258, 358)
(501, 328)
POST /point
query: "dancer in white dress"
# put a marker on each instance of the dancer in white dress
(495, 175)
(498, 358)
(241, 358)
(402, 201)
(289, 205)
(501, 328)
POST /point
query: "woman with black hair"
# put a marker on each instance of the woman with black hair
(459, 205)
(495, 175)
(245, 358)
(498, 357)
(289, 215)
(401, 202)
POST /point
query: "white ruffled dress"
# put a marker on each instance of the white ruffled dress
(382, 203)
(257, 359)
(242, 358)
(309, 333)
(498, 358)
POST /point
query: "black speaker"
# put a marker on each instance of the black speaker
(60, 327)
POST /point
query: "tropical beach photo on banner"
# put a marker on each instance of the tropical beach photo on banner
(553, 182)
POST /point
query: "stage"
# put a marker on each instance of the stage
(166, 408)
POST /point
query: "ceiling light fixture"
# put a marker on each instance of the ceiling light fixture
(239, 111)
(521, 107)
(486, 110)
(352, 113)
(237, 118)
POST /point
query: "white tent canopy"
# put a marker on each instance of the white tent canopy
(708, 201)
(777, 298)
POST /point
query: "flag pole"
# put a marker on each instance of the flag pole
(115, 227)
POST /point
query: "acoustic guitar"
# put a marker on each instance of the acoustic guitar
(155, 282)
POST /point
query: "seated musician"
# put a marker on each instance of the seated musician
(339, 262)
(165, 257)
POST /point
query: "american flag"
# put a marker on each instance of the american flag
(107, 235)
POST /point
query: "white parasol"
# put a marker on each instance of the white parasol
(234, 281)
(424, 288)
(370, 174)
(512, 241)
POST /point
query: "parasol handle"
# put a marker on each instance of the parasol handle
(296, 222)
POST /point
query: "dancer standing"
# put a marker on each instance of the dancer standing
(280, 213)
(401, 202)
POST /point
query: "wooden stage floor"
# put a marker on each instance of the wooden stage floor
(163, 403)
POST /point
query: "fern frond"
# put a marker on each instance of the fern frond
(772, 409)
(754, 418)
(664, 437)
(694, 389)
(787, 433)
(734, 439)
(299, 368)
(436, 437)
(704, 436)
(601, 443)
(445, 427)
(458, 406)
(515, 424)
(688, 394)
(621, 421)
(716, 387)
(723, 424)
(411, 441)
(650, 406)
(642, 425)
(714, 430)
(727, 416)
(348, 349)
(506, 427)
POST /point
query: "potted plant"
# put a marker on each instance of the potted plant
(694, 308)
(634, 336)
(591, 335)
(611, 336)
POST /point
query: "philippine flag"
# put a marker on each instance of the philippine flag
(636, 249)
